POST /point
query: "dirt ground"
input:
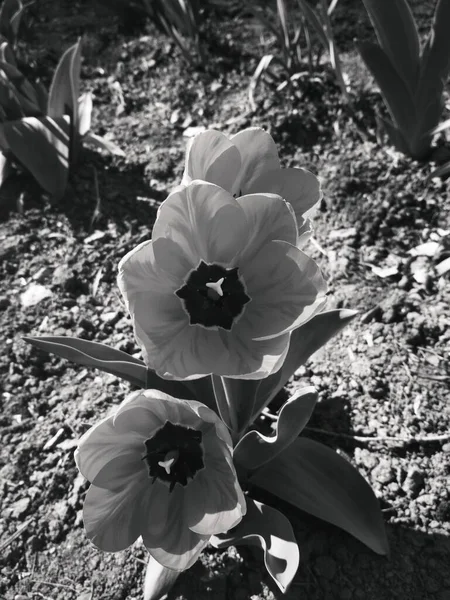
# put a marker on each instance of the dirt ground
(381, 235)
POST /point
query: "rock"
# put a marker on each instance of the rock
(18, 508)
(413, 482)
(34, 294)
(384, 473)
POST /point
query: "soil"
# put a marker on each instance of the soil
(385, 377)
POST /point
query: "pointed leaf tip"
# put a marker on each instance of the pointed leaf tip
(314, 478)
(271, 531)
(255, 449)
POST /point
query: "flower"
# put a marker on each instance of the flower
(248, 163)
(160, 468)
(220, 285)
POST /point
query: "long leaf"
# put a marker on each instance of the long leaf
(305, 340)
(10, 14)
(398, 99)
(110, 360)
(84, 113)
(99, 142)
(242, 395)
(64, 93)
(395, 136)
(94, 355)
(158, 580)
(398, 36)
(255, 449)
(270, 530)
(435, 69)
(41, 145)
(317, 480)
(314, 22)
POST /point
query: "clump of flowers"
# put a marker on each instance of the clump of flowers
(225, 308)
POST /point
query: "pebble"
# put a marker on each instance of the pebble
(414, 481)
(18, 508)
(34, 294)
(384, 473)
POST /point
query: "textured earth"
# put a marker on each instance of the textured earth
(382, 236)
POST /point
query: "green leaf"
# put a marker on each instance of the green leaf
(225, 403)
(434, 70)
(10, 14)
(268, 529)
(317, 480)
(394, 134)
(5, 168)
(202, 390)
(398, 36)
(110, 360)
(242, 395)
(398, 99)
(314, 22)
(7, 55)
(25, 91)
(305, 340)
(158, 580)
(64, 93)
(92, 354)
(41, 145)
(99, 142)
(178, 389)
(84, 113)
(255, 449)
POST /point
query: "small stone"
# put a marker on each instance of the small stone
(18, 508)
(325, 566)
(413, 482)
(384, 472)
(34, 294)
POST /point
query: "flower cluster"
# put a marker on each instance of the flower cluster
(217, 291)
(222, 283)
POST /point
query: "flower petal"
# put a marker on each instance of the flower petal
(214, 499)
(255, 359)
(138, 272)
(269, 218)
(109, 517)
(101, 445)
(205, 221)
(299, 187)
(147, 410)
(258, 154)
(212, 157)
(286, 288)
(172, 260)
(191, 352)
(175, 546)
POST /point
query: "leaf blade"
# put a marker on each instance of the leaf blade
(270, 530)
(317, 480)
(255, 449)
(397, 34)
(305, 340)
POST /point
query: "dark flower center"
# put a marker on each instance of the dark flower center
(213, 296)
(174, 454)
